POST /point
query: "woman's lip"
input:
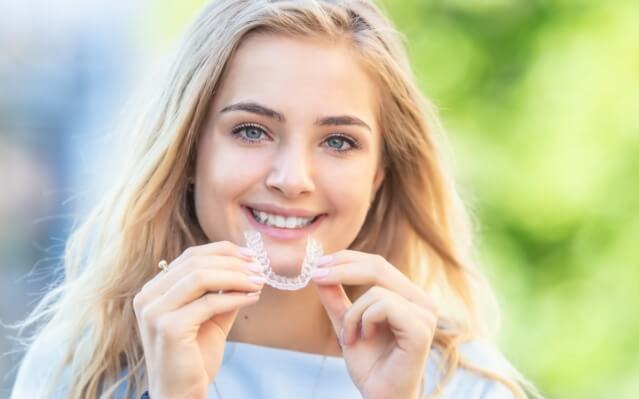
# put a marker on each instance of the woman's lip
(279, 233)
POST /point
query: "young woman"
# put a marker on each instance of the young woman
(294, 119)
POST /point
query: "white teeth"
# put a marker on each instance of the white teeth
(291, 223)
(261, 216)
(279, 221)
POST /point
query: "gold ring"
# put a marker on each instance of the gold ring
(164, 265)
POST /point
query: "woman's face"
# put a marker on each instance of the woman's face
(291, 148)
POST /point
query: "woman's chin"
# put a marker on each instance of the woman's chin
(286, 260)
(290, 267)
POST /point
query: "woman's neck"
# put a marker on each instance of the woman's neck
(293, 320)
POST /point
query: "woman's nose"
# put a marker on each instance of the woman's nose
(291, 173)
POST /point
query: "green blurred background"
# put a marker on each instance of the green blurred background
(541, 103)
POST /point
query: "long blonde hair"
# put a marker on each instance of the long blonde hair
(417, 220)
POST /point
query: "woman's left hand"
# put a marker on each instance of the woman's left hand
(388, 331)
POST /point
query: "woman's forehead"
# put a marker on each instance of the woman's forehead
(299, 74)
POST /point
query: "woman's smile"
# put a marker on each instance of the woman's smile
(280, 223)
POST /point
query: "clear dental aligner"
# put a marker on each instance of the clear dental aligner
(313, 251)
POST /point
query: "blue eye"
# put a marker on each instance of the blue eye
(341, 143)
(249, 132)
(253, 134)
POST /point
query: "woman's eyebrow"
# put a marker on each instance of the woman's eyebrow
(341, 120)
(255, 108)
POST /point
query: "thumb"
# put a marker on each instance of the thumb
(335, 301)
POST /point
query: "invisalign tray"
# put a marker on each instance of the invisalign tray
(313, 251)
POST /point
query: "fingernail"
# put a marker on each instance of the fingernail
(319, 273)
(247, 252)
(254, 293)
(254, 267)
(323, 260)
(341, 336)
(256, 279)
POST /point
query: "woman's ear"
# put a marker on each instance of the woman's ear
(377, 181)
(190, 183)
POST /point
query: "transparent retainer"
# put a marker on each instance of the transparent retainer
(313, 251)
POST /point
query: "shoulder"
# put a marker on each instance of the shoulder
(467, 383)
(37, 367)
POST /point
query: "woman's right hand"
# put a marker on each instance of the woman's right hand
(184, 321)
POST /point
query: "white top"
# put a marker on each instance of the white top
(252, 371)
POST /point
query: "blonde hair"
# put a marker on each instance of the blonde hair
(417, 220)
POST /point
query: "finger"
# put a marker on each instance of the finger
(358, 268)
(339, 257)
(411, 333)
(352, 317)
(161, 283)
(336, 302)
(189, 318)
(200, 282)
(218, 248)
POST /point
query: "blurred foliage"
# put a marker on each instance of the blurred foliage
(540, 99)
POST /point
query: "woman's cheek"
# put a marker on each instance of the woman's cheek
(352, 203)
(233, 165)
